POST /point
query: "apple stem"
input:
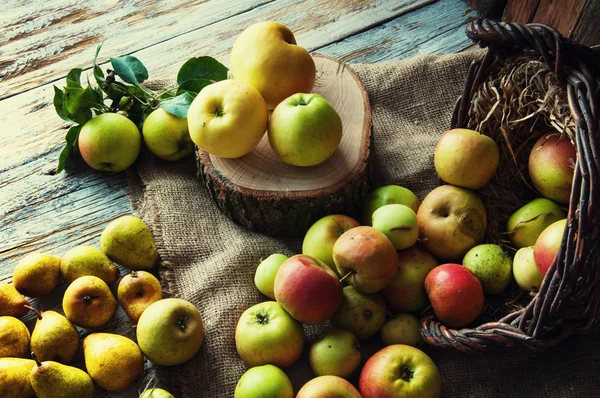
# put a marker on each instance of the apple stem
(346, 276)
(37, 313)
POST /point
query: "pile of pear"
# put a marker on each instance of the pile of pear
(40, 363)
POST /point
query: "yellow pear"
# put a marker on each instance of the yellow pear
(88, 302)
(113, 361)
(12, 303)
(14, 378)
(136, 292)
(87, 260)
(128, 241)
(266, 56)
(14, 338)
(37, 274)
(51, 379)
(54, 338)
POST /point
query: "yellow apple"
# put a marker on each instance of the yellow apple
(228, 118)
(266, 56)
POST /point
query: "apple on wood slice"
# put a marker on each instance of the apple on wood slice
(264, 194)
(547, 246)
(328, 386)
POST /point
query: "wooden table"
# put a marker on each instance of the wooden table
(40, 41)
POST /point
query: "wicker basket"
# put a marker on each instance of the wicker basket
(568, 301)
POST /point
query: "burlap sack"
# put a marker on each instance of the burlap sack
(210, 261)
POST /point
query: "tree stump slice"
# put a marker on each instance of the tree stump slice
(263, 194)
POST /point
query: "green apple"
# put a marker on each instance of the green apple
(156, 393)
(363, 314)
(400, 371)
(387, 195)
(264, 278)
(526, 224)
(109, 142)
(398, 223)
(304, 130)
(267, 334)
(167, 136)
(322, 235)
(335, 352)
(491, 265)
(525, 272)
(264, 381)
(402, 329)
(328, 386)
(466, 158)
(170, 331)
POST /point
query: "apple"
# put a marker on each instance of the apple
(451, 221)
(466, 158)
(167, 136)
(456, 295)
(551, 166)
(491, 265)
(547, 245)
(227, 118)
(264, 381)
(307, 289)
(267, 334)
(335, 352)
(525, 272)
(304, 130)
(109, 142)
(387, 195)
(406, 292)
(398, 223)
(526, 224)
(365, 258)
(400, 371)
(402, 329)
(266, 56)
(363, 314)
(322, 235)
(328, 386)
(264, 278)
(156, 393)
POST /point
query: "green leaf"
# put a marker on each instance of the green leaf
(193, 86)
(130, 69)
(178, 106)
(59, 100)
(71, 139)
(74, 78)
(98, 74)
(202, 68)
(78, 104)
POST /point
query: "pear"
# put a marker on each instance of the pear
(14, 378)
(170, 331)
(88, 302)
(54, 338)
(37, 274)
(136, 292)
(14, 338)
(128, 241)
(156, 393)
(87, 260)
(51, 379)
(113, 361)
(12, 303)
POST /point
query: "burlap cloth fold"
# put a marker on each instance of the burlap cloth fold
(210, 261)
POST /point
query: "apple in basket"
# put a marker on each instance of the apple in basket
(547, 245)
(526, 224)
(491, 265)
(525, 272)
(328, 386)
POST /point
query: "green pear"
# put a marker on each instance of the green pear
(136, 292)
(113, 361)
(51, 379)
(14, 378)
(86, 260)
(12, 303)
(156, 393)
(128, 241)
(14, 338)
(88, 302)
(54, 338)
(37, 274)
(170, 331)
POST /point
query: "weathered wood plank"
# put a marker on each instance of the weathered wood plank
(563, 15)
(521, 11)
(586, 31)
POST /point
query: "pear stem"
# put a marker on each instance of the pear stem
(347, 275)
(37, 313)
(37, 361)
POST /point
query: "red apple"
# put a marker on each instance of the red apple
(365, 258)
(328, 386)
(407, 293)
(400, 371)
(308, 289)
(547, 245)
(550, 167)
(451, 221)
(455, 293)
